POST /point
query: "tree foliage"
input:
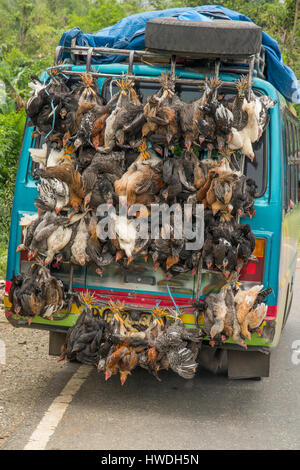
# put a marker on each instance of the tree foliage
(31, 29)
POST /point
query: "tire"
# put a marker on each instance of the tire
(56, 341)
(219, 38)
(288, 306)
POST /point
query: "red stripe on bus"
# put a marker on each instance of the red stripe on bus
(148, 299)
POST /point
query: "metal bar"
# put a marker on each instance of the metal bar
(57, 53)
(242, 168)
(250, 76)
(173, 67)
(142, 78)
(199, 278)
(82, 50)
(217, 68)
(89, 59)
(234, 70)
(242, 165)
(70, 289)
(217, 73)
(74, 57)
(70, 294)
(130, 63)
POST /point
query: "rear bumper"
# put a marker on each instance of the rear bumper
(63, 321)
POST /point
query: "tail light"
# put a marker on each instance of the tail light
(7, 287)
(254, 270)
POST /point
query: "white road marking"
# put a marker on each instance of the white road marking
(46, 427)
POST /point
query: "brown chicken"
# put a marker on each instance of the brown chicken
(201, 193)
(155, 110)
(129, 360)
(163, 124)
(219, 194)
(123, 360)
(140, 184)
(112, 361)
(244, 301)
(97, 137)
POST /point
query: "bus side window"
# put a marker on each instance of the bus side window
(298, 161)
(295, 166)
(295, 161)
(286, 164)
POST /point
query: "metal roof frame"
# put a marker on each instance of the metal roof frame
(254, 62)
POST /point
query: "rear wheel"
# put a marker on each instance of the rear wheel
(289, 301)
(56, 342)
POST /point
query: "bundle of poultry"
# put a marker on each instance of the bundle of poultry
(84, 339)
(146, 181)
(36, 292)
(118, 346)
(227, 247)
(180, 347)
(234, 313)
(227, 191)
(62, 111)
(160, 346)
(126, 151)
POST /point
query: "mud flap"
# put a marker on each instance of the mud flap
(56, 341)
(248, 364)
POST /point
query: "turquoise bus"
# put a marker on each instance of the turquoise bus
(275, 225)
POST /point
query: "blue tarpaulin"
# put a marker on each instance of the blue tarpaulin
(129, 33)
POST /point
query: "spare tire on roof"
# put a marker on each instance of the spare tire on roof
(219, 38)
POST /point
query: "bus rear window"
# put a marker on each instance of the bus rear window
(257, 170)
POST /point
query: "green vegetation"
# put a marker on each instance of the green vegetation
(31, 29)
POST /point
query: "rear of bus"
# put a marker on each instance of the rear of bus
(138, 284)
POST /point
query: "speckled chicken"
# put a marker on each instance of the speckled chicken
(181, 347)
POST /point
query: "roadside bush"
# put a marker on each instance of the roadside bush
(11, 132)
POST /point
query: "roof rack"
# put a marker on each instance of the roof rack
(83, 55)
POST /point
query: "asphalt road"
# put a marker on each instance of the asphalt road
(210, 412)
